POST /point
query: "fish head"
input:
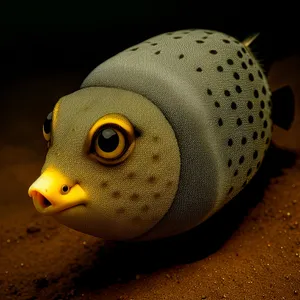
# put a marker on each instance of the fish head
(112, 166)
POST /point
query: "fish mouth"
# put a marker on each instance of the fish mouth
(53, 192)
(49, 207)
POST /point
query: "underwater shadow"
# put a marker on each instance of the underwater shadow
(120, 262)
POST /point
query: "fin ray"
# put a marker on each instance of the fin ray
(250, 39)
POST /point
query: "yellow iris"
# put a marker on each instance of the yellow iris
(111, 139)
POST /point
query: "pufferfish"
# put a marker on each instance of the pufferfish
(158, 138)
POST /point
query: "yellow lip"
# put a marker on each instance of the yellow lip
(52, 193)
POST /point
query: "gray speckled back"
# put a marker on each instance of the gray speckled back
(217, 99)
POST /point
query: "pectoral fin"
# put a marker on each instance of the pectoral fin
(283, 107)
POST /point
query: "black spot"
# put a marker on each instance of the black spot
(226, 41)
(261, 114)
(256, 95)
(177, 37)
(244, 50)
(208, 32)
(205, 37)
(262, 134)
(233, 105)
(238, 89)
(199, 69)
(244, 66)
(242, 159)
(134, 49)
(250, 119)
(217, 104)
(264, 90)
(260, 74)
(229, 163)
(220, 122)
(153, 44)
(213, 51)
(239, 122)
(239, 54)
(230, 142)
(157, 52)
(267, 141)
(262, 104)
(258, 165)
(250, 105)
(236, 173)
(255, 135)
(181, 56)
(236, 75)
(255, 154)
(251, 77)
(226, 93)
(244, 141)
(209, 92)
(265, 124)
(220, 68)
(230, 61)
(249, 172)
(269, 103)
(250, 62)
(199, 41)
(230, 190)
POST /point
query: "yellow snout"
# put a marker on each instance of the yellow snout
(52, 193)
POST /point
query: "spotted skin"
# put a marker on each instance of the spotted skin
(212, 80)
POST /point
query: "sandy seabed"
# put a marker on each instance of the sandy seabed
(249, 250)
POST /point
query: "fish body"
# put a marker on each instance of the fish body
(158, 138)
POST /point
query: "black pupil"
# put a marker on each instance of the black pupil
(108, 140)
(47, 124)
(65, 188)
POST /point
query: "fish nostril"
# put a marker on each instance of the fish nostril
(65, 189)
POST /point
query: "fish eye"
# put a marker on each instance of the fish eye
(47, 127)
(111, 139)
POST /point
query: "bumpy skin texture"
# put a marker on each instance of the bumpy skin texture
(215, 96)
(126, 200)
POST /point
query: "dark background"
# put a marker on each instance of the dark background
(45, 36)
(46, 50)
